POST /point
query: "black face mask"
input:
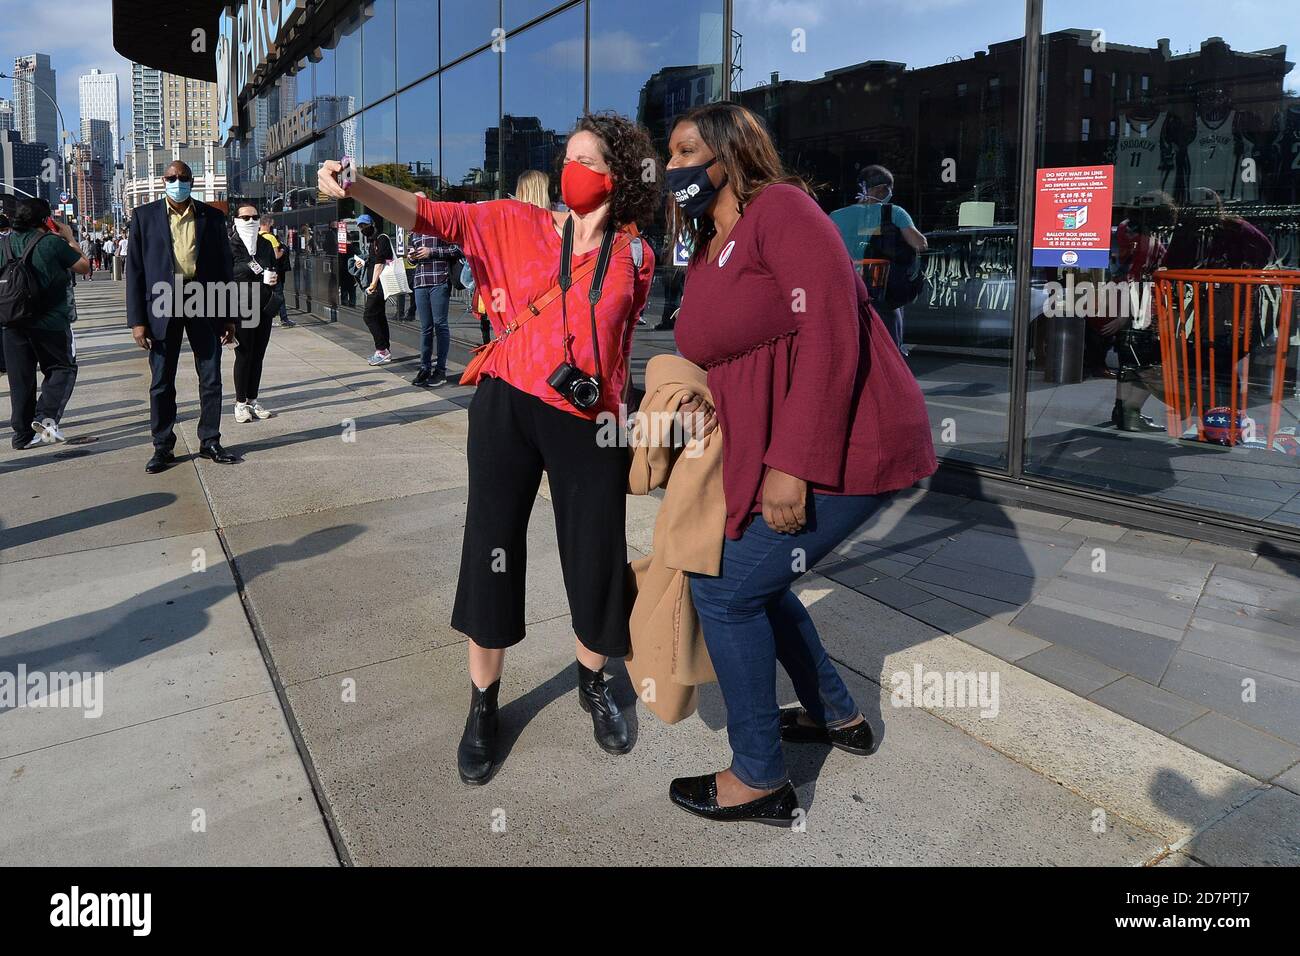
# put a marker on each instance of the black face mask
(367, 231)
(692, 189)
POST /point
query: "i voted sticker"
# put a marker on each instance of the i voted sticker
(726, 253)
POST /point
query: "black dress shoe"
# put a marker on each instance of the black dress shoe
(857, 739)
(161, 461)
(478, 742)
(213, 452)
(608, 724)
(699, 795)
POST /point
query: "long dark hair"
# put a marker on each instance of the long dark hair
(626, 148)
(747, 155)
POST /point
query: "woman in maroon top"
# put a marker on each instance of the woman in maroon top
(821, 420)
(537, 406)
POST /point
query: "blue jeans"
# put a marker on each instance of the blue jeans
(751, 620)
(431, 303)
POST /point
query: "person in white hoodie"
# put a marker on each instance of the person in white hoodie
(255, 261)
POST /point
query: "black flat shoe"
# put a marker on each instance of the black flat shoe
(699, 795)
(608, 724)
(478, 742)
(214, 453)
(161, 461)
(857, 739)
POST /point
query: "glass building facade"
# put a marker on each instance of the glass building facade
(1096, 375)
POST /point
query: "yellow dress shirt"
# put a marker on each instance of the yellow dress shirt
(183, 241)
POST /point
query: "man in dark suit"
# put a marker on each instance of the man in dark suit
(173, 244)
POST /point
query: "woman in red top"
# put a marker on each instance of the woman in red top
(821, 421)
(531, 414)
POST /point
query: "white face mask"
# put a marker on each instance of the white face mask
(247, 231)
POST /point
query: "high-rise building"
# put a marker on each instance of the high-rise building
(189, 111)
(170, 110)
(6, 113)
(146, 106)
(34, 98)
(97, 92)
(98, 135)
(22, 166)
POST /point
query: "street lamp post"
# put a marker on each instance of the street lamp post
(63, 124)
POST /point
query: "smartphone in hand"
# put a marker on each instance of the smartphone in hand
(348, 174)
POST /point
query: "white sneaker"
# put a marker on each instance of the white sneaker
(256, 407)
(36, 441)
(381, 358)
(243, 412)
(47, 433)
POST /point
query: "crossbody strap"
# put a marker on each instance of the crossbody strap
(538, 305)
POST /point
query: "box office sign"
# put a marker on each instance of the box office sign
(1072, 207)
(250, 37)
(295, 130)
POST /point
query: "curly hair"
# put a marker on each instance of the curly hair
(633, 164)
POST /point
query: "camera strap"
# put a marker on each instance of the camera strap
(597, 286)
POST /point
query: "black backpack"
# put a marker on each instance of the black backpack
(904, 282)
(20, 287)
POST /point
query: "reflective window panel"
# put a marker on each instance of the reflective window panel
(1163, 352)
(917, 107)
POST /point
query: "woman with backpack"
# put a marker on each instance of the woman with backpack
(36, 259)
(559, 362)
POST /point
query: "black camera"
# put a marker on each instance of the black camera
(578, 388)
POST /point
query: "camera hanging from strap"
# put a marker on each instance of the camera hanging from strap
(597, 287)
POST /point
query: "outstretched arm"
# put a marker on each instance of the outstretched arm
(396, 205)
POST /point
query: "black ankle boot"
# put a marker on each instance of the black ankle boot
(478, 742)
(607, 723)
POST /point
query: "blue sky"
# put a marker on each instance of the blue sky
(78, 33)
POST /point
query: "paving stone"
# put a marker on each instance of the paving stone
(1133, 652)
(1258, 754)
(1219, 686)
(1095, 529)
(1278, 564)
(1147, 704)
(893, 592)
(1220, 554)
(1104, 598)
(1032, 559)
(1003, 641)
(1247, 615)
(1155, 541)
(1160, 573)
(1264, 832)
(1260, 588)
(1267, 647)
(1290, 779)
(1068, 669)
(976, 579)
(945, 615)
(987, 606)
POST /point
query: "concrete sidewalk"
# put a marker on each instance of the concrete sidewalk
(334, 546)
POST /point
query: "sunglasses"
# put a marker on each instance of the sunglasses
(249, 218)
(184, 179)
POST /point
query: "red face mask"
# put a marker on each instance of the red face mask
(583, 189)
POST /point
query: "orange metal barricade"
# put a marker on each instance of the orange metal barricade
(1186, 302)
(875, 272)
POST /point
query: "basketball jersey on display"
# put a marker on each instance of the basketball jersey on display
(1284, 166)
(1212, 156)
(1141, 165)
